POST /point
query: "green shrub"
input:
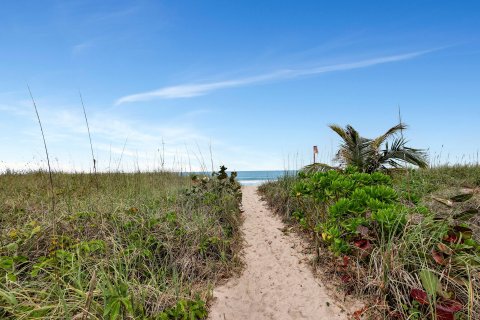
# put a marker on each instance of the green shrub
(352, 199)
(390, 237)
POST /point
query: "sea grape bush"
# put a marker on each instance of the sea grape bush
(423, 265)
(354, 205)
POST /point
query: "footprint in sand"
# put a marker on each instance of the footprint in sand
(261, 291)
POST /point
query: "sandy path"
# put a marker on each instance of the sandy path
(276, 283)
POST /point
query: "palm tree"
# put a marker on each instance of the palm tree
(370, 155)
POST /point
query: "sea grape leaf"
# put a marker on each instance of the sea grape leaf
(430, 282)
(362, 244)
(419, 295)
(446, 309)
(444, 248)
(438, 257)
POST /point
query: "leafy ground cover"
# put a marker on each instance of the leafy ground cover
(116, 246)
(406, 240)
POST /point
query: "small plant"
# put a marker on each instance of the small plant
(118, 301)
(185, 310)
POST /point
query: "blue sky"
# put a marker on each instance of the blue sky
(256, 82)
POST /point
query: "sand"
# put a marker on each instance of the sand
(277, 282)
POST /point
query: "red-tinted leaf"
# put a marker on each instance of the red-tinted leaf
(363, 244)
(419, 295)
(449, 305)
(365, 247)
(444, 315)
(447, 308)
(451, 237)
(346, 278)
(438, 257)
(346, 259)
(358, 314)
(444, 248)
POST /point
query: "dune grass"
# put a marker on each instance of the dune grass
(117, 246)
(399, 240)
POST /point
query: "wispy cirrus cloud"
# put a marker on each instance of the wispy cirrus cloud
(198, 89)
(119, 142)
(81, 47)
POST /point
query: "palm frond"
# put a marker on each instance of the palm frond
(339, 130)
(368, 155)
(354, 149)
(377, 142)
(398, 152)
(317, 167)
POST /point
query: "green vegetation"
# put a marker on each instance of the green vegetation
(370, 155)
(116, 246)
(406, 240)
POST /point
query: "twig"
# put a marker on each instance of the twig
(93, 283)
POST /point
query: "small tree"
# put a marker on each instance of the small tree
(370, 155)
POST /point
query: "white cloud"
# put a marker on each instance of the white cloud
(81, 47)
(126, 144)
(67, 139)
(192, 90)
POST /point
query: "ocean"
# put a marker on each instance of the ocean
(252, 178)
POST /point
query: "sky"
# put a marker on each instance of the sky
(249, 84)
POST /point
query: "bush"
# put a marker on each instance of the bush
(391, 248)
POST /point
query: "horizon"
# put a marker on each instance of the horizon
(249, 85)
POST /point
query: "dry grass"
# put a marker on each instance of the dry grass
(135, 246)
